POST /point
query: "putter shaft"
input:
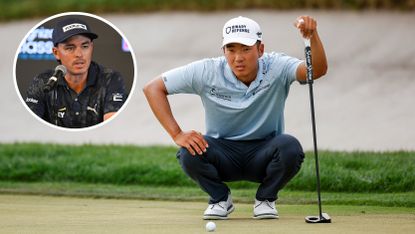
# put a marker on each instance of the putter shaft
(313, 121)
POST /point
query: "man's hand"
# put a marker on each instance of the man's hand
(193, 141)
(308, 29)
(307, 26)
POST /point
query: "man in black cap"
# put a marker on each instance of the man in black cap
(88, 93)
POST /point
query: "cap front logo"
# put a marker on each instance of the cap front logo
(73, 26)
(236, 29)
(241, 30)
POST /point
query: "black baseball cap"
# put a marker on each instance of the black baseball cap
(69, 27)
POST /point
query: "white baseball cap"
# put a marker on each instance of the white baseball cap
(241, 30)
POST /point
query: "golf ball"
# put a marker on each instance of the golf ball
(210, 227)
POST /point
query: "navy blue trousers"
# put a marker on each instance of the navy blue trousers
(272, 162)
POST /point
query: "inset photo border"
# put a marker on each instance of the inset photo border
(68, 101)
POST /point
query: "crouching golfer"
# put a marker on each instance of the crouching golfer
(243, 93)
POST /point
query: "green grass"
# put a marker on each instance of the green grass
(133, 172)
(361, 172)
(12, 9)
(380, 172)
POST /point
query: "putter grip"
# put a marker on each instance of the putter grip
(309, 66)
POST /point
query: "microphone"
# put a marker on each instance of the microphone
(59, 73)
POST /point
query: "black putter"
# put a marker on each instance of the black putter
(323, 217)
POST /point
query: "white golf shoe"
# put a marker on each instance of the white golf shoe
(219, 210)
(265, 210)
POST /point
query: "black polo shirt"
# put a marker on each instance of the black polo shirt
(104, 92)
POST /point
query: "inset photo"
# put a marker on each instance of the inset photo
(74, 71)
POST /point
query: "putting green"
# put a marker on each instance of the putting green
(44, 214)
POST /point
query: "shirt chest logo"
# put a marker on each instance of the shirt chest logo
(61, 112)
(215, 93)
(93, 109)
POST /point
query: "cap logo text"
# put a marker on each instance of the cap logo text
(236, 29)
(73, 26)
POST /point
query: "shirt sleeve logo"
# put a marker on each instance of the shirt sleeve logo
(117, 97)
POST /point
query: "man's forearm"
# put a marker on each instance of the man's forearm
(319, 59)
(157, 98)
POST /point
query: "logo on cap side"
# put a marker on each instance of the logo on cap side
(259, 34)
(73, 26)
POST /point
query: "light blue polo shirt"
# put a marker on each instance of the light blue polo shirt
(233, 110)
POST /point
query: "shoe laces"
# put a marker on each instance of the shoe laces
(217, 204)
(223, 204)
(266, 202)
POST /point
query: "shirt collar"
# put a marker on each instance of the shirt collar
(259, 77)
(91, 78)
(92, 74)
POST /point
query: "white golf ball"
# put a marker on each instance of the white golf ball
(210, 227)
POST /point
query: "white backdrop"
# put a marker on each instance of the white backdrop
(365, 102)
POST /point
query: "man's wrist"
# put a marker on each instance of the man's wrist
(175, 134)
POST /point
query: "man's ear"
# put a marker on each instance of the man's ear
(261, 49)
(56, 53)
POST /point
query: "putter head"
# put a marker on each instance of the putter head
(324, 218)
